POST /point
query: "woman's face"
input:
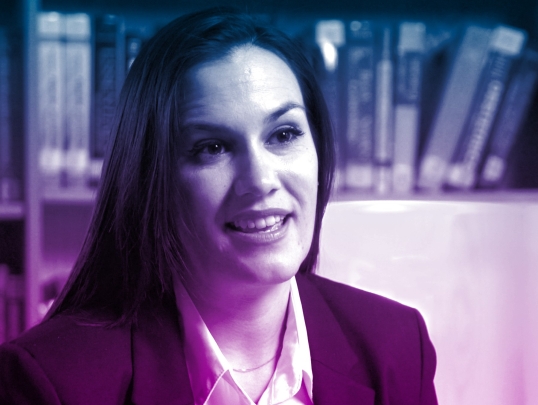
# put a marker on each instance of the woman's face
(249, 169)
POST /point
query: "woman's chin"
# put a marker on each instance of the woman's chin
(264, 275)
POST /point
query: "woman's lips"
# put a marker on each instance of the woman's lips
(259, 231)
(262, 224)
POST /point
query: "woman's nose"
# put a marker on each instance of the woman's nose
(257, 173)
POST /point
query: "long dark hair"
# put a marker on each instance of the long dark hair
(134, 242)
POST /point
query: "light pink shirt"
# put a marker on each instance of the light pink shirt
(211, 375)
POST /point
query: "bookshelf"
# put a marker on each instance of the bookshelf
(58, 196)
(477, 196)
(50, 216)
(11, 211)
(12, 208)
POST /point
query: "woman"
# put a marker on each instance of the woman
(195, 284)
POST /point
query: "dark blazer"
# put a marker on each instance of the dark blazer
(365, 349)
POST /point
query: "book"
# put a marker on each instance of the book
(409, 75)
(10, 187)
(50, 95)
(5, 107)
(513, 110)
(384, 113)
(50, 290)
(133, 44)
(451, 114)
(108, 77)
(14, 306)
(503, 51)
(77, 97)
(440, 41)
(4, 273)
(330, 38)
(359, 106)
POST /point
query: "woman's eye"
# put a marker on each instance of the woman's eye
(208, 149)
(286, 135)
(214, 148)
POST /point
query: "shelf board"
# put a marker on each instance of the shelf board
(87, 196)
(301, 6)
(69, 195)
(513, 196)
(11, 211)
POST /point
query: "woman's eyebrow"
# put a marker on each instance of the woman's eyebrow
(206, 127)
(281, 111)
(211, 127)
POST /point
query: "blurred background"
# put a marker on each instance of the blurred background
(436, 201)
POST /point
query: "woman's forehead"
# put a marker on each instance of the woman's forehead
(249, 75)
(248, 66)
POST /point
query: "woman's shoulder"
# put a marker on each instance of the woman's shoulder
(71, 336)
(65, 357)
(348, 297)
(387, 338)
(363, 313)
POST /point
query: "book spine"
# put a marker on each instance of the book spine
(133, 44)
(330, 38)
(359, 106)
(8, 183)
(441, 39)
(50, 95)
(409, 72)
(14, 306)
(384, 115)
(4, 273)
(109, 73)
(77, 97)
(454, 106)
(506, 46)
(513, 110)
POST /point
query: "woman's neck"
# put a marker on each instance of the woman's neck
(246, 321)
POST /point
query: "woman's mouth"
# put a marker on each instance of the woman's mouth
(269, 223)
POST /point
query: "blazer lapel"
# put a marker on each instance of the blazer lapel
(160, 374)
(336, 367)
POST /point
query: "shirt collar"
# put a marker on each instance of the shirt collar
(207, 365)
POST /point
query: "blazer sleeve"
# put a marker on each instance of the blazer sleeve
(22, 380)
(429, 361)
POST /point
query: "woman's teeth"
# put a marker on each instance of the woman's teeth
(260, 223)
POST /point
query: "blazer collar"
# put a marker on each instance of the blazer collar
(335, 365)
(160, 374)
(158, 336)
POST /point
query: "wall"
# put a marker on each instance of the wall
(469, 267)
